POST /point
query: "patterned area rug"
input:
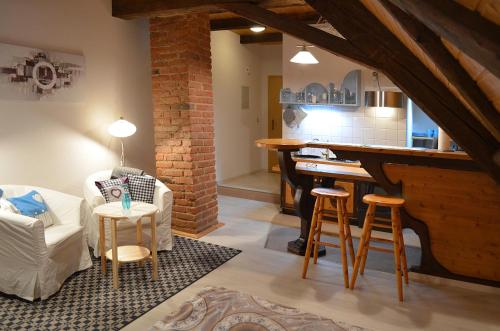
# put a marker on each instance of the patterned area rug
(87, 301)
(219, 309)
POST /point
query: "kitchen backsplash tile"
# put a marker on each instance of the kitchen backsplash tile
(359, 126)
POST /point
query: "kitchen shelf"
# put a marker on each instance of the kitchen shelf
(348, 94)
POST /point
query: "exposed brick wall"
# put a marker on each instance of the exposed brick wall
(184, 117)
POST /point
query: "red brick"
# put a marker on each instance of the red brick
(183, 117)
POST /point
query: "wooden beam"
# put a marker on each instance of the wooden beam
(261, 38)
(317, 37)
(418, 82)
(130, 9)
(431, 43)
(468, 30)
(235, 23)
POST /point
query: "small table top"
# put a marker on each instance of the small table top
(115, 210)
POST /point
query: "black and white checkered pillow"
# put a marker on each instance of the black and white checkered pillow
(142, 188)
(107, 186)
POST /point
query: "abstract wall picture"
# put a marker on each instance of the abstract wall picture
(34, 74)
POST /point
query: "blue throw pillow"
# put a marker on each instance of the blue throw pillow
(1, 192)
(33, 205)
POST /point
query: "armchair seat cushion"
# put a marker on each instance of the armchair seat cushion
(56, 234)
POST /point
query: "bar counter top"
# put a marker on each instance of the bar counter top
(294, 144)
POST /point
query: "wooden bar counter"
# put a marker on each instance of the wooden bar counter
(451, 204)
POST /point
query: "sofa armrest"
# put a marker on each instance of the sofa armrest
(22, 240)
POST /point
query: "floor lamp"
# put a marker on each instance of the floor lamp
(122, 129)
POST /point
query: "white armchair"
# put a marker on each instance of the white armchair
(35, 261)
(163, 199)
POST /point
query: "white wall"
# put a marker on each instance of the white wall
(236, 129)
(340, 124)
(56, 145)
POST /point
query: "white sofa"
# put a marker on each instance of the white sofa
(163, 199)
(35, 261)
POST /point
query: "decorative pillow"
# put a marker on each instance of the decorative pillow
(1, 192)
(124, 171)
(113, 189)
(142, 188)
(33, 205)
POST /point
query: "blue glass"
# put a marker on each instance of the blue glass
(126, 201)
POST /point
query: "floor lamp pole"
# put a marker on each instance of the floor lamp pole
(122, 159)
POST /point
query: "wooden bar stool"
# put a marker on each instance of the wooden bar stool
(374, 200)
(340, 196)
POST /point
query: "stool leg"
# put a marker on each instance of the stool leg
(319, 225)
(365, 251)
(403, 254)
(312, 230)
(397, 254)
(348, 231)
(368, 220)
(343, 252)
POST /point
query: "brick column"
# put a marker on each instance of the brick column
(184, 117)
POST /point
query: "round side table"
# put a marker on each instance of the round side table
(130, 253)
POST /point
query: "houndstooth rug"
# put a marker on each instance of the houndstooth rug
(87, 300)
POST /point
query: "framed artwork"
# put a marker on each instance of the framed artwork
(34, 74)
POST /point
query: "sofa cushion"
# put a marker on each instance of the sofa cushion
(33, 205)
(113, 189)
(142, 188)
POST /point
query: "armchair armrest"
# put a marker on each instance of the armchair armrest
(67, 208)
(22, 240)
(92, 195)
(163, 197)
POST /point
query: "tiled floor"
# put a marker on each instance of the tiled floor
(260, 181)
(430, 303)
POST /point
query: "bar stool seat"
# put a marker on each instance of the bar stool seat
(383, 200)
(335, 192)
(340, 196)
(401, 269)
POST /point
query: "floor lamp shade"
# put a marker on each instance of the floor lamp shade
(122, 129)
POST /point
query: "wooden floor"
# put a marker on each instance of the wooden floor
(430, 303)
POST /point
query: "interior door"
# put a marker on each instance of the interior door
(274, 84)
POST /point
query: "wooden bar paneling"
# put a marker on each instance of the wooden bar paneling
(462, 212)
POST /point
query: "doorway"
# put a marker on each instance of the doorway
(274, 122)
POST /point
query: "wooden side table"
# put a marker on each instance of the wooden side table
(129, 253)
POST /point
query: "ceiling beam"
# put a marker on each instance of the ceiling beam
(261, 38)
(401, 66)
(432, 45)
(317, 37)
(468, 30)
(235, 23)
(130, 9)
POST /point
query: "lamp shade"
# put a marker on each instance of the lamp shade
(393, 99)
(257, 28)
(304, 57)
(121, 128)
(373, 99)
